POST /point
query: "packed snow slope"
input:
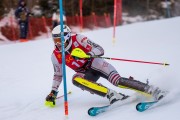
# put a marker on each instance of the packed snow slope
(26, 74)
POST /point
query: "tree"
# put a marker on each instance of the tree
(2, 8)
(46, 6)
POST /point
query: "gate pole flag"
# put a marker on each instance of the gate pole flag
(115, 17)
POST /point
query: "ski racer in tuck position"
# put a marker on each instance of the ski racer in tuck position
(88, 71)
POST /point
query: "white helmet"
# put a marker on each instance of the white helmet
(56, 33)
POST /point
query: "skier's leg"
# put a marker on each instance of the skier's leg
(109, 72)
(22, 30)
(132, 84)
(100, 68)
(141, 87)
(26, 30)
(80, 80)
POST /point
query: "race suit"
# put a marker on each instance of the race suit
(90, 69)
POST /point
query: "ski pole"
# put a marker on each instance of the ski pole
(120, 59)
(63, 95)
(77, 52)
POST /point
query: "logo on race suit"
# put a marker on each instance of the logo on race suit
(68, 58)
(88, 47)
(75, 44)
(92, 43)
(105, 64)
(59, 56)
(85, 38)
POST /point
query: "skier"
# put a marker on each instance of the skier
(88, 71)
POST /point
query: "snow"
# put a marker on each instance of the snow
(26, 74)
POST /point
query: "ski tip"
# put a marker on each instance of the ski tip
(90, 112)
(49, 104)
(143, 106)
(138, 107)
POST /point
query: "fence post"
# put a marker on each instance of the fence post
(81, 15)
(30, 30)
(12, 27)
(94, 19)
(45, 26)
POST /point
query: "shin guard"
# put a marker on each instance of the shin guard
(134, 85)
(90, 86)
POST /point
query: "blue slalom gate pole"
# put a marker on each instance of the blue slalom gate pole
(63, 59)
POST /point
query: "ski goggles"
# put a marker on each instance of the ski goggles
(67, 35)
(57, 38)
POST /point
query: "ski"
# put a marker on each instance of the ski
(143, 106)
(97, 110)
(94, 111)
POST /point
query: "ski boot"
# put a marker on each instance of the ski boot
(50, 99)
(113, 96)
(156, 93)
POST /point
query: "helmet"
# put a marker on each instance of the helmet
(56, 34)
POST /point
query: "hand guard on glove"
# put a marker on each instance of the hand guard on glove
(77, 53)
(87, 57)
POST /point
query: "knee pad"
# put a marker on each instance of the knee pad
(90, 86)
(81, 75)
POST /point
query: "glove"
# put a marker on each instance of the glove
(50, 99)
(77, 53)
(87, 56)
